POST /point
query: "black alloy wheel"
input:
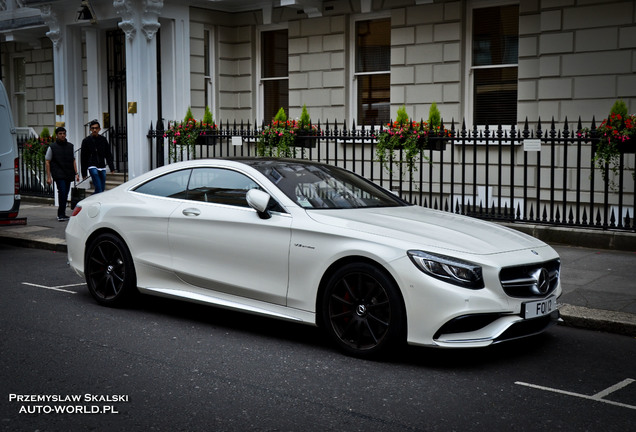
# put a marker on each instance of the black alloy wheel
(109, 270)
(363, 310)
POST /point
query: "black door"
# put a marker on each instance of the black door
(117, 107)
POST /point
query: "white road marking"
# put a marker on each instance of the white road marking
(55, 288)
(598, 397)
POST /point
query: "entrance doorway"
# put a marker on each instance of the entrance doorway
(117, 109)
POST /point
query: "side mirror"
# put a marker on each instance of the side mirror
(259, 201)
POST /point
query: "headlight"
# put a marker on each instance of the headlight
(452, 270)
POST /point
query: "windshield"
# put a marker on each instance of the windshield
(318, 186)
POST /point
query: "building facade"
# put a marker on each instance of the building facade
(129, 63)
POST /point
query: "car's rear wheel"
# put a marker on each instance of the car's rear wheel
(362, 310)
(109, 270)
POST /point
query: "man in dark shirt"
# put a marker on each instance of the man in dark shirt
(61, 167)
(96, 155)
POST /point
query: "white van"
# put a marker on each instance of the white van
(9, 173)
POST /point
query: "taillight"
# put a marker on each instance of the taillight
(76, 210)
(16, 172)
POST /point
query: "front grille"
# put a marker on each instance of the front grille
(533, 280)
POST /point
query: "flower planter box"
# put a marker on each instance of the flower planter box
(306, 141)
(207, 139)
(436, 144)
(624, 147)
(423, 144)
(627, 146)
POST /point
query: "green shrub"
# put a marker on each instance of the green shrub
(434, 117)
(208, 119)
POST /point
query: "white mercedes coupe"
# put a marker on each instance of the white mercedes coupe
(316, 244)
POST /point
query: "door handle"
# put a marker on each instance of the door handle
(191, 212)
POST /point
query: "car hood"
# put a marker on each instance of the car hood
(429, 228)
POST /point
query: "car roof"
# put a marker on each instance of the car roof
(233, 162)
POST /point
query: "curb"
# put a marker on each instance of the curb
(598, 319)
(589, 238)
(52, 244)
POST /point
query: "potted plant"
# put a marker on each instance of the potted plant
(402, 134)
(615, 135)
(186, 134)
(436, 134)
(278, 138)
(34, 150)
(182, 135)
(306, 133)
(207, 129)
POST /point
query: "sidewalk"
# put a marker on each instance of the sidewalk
(599, 285)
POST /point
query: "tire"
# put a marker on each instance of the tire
(362, 310)
(110, 272)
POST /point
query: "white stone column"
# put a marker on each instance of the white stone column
(95, 77)
(140, 23)
(67, 73)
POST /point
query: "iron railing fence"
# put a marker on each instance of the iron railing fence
(538, 176)
(32, 177)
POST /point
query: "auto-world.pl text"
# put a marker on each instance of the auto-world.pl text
(87, 403)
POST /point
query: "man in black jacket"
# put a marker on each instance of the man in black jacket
(95, 156)
(61, 167)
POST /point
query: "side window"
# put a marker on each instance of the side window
(274, 72)
(173, 185)
(220, 186)
(373, 71)
(495, 64)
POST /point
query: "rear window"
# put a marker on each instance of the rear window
(172, 185)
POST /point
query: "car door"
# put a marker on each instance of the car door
(219, 243)
(146, 218)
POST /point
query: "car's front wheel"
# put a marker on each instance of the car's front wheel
(109, 270)
(362, 310)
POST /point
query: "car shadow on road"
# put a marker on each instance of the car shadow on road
(314, 339)
(230, 320)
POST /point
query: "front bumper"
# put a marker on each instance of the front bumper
(501, 329)
(443, 315)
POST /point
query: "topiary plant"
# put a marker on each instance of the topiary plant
(280, 115)
(305, 120)
(208, 119)
(402, 117)
(188, 116)
(619, 108)
(434, 117)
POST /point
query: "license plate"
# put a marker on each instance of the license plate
(539, 308)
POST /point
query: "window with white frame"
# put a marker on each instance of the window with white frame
(494, 65)
(372, 71)
(274, 72)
